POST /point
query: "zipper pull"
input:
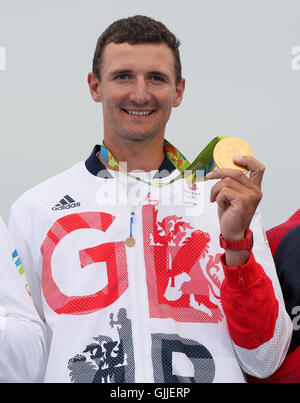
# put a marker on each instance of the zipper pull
(130, 241)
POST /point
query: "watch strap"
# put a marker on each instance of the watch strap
(240, 244)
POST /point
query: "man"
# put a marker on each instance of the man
(125, 267)
(22, 333)
(284, 240)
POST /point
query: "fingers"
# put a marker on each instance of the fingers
(237, 195)
(235, 187)
(255, 167)
(226, 186)
(230, 177)
(225, 197)
(235, 183)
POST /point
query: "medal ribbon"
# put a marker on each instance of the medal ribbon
(194, 172)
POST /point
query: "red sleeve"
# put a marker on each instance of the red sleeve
(249, 303)
(289, 372)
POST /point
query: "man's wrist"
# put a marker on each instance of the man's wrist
(234, 258)
(233, 237)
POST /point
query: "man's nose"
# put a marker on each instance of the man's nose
(140, 92)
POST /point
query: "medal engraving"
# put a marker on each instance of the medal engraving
(227, 149)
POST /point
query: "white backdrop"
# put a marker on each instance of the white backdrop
(241, 60)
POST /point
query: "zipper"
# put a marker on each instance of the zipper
(137, 271)
(241, 278)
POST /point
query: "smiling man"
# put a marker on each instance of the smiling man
(137, 99)
(144, 290)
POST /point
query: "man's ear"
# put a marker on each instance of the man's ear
(94, 86)
(180, 86)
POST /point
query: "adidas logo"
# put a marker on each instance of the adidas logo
(66, 203)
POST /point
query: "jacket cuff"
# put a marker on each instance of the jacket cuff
(247, 273)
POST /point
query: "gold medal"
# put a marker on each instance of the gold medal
(130, 241)
(227, 149)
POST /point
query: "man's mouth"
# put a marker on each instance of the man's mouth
(138, 112)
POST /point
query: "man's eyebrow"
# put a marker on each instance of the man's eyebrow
(160, 74)
(119, 72)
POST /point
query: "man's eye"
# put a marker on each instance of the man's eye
(157, 78)
(122, 77)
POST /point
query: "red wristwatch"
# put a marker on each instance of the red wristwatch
(241, 244)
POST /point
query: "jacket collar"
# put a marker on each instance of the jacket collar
(95, 166)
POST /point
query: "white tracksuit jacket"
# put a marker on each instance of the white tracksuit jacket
(164, 310)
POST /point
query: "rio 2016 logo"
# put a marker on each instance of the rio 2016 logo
(2, 58)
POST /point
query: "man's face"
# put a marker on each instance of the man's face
(137, 89)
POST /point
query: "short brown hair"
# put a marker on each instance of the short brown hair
(136, 30)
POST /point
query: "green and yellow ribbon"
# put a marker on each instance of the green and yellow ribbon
(194, 172)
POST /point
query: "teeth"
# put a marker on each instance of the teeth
(139, 113)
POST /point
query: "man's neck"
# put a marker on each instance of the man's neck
(143, 155)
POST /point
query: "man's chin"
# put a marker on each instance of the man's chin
(138, 136)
